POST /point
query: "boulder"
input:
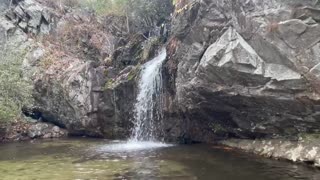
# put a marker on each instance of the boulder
(45, 130)
(246, 69)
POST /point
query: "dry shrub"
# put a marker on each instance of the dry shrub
(60, 4)
(71, 3)
(181, 5)
(81, 39)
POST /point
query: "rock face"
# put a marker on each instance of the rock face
(244, 69)
(69, 91)
(88, 84)
(82, 96)
(31, 17)
(306, 150)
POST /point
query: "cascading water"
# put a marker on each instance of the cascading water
(148, 110)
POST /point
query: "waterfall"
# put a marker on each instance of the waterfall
(148, 107)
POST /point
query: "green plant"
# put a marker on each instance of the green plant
(15, 90)
(134, 72)
(106, 7)
(109, 84)
(218, 128)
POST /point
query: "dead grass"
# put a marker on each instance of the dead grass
(78, 38)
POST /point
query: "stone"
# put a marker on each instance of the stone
(23, 25)
(255, 75)
(7, 25)
(297, 34)
(45, 28)
(297, 151)
(56, 129)
(32, 17)
(45, 131)
(315, 71)
(37, 130)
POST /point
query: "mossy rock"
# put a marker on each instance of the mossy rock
(134, 72)
(109, 84)
(218, 129)
(309, 137)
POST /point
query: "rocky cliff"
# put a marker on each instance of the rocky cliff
(246, 69)
(83, 66)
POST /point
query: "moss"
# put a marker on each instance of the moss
(218, 129)
(109, 84)
(134, 72)
(309, 137)
(131, 75)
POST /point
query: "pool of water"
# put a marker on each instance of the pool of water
(102, 159)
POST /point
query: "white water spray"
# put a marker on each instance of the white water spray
(148, 108)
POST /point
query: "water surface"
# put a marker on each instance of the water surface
(101, 159)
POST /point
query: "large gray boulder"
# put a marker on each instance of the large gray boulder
(244, 69)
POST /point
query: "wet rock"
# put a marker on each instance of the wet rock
(37, 130)
(297, 151)
(45, 130)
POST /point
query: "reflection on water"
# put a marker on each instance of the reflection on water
(99, 159)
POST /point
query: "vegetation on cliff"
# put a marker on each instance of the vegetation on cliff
(15, 90)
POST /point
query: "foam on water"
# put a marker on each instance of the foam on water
(131, 146)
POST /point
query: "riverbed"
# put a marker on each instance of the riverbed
(84, 158)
